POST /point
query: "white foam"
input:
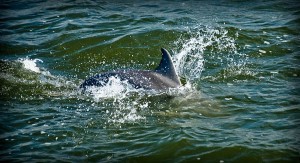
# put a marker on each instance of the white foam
(262, 51)
(115, 88)
(30, 64)
(124, 109)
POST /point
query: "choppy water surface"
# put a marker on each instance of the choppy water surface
(239, 62)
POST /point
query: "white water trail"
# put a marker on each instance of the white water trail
(62, 86)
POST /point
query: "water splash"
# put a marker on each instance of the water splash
(121, 101)
(115, 88)
(215, 46)
(125, 104)
(191, 48)
(30, 64)
(127, 111)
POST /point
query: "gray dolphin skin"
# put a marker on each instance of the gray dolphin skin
(162, 78)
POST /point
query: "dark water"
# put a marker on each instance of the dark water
(239, 60)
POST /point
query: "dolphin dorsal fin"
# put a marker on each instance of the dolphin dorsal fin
(166, 66)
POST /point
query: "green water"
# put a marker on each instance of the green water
(239, 62)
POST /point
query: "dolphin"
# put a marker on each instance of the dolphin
(162, 78)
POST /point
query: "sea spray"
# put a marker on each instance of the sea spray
(191, 48)
(30, 64)
(122, 101)
(125, 104)
(211, 46)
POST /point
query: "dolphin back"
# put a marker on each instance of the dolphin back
(163, 77)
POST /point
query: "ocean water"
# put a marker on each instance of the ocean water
(238, 60)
